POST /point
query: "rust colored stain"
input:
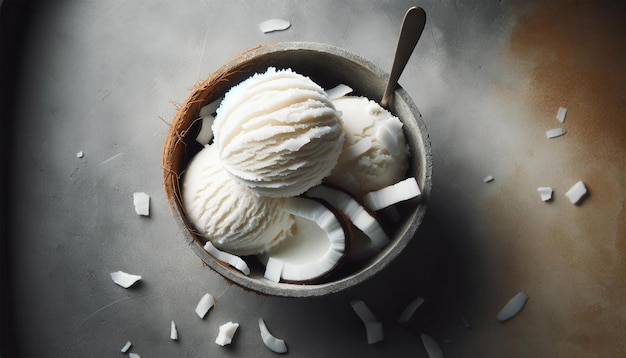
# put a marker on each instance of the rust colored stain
(571, 259)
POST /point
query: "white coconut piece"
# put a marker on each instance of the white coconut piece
(210, 109)
(173, 331)
(133, 355)
(204, 305)
(233, 260)
(359, 216)
(126, 347)
(432, 347)
(338, 91)
(273, 269)
(513, 307)
(272, 25)
(206, 130)
(356, 149)
(142, 203)
(80, 154)
(561, 113)
(276, 345)
(226, 333)
(314, 248)
(576, 192)
(124, 279)
(393, 194)
(555, 132)
(488, 179)
(545, 192)
(389, 139)
(373, 327)
(410, 309)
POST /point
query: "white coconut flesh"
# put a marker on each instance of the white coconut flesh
(314, 249)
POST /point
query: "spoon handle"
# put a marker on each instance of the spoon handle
(412, 27)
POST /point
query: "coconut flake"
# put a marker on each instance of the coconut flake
(403, 190)
(373, 326)
(561, 113)
(545, 192)
(204, 305)
(431, 346)
(226, 333)
(576, 192)
(133, 355)
(513, 307)
(488, 179)
(142, 203)
(126, 347)
(338, 91)
(274, 25)
(233, 260)
(173, 332)
(210, 109)
(555, 132)
(274, 269)
(124, 279)
(80, 154)
(206, 130)
(410, 309)
(274, 344)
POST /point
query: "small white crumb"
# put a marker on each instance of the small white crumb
(173, 332)
(545, 192)
(133, 355)
(274, 25)
(124, 279)
(576, 192)
(555, 132)
(561, 113)
(126, 347)
(80, 154)
(513, 306)
(142, 203)
(204, 305)
(226, 333)
(488, 179)
(431, 346)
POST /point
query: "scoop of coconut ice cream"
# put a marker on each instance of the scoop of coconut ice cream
(278, 133)
(232, 217)
(374, 154)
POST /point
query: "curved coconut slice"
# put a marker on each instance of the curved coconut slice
(315, 248)
(400, 191)
(431, 346)
(408, 312)
(338, 91)
(233, 260)
(359, 216)
(271, 342)
(513, 306)
(124, 279)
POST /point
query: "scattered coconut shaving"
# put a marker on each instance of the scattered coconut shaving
(488, 179)
(80, 154)
(124, 279)
(274, 25)
(545, 192)
(126, 347)
(226, 333)
(431, 346)
(338, 91)
(561, 113)
(576, 192)
(373, 327)
(387, 196)
(173, 332)
(133, 355)
(142, 203)
(204, 305)
(206, 130)
(233, 260)
(274, 344)
(410, 309)
(555, 132)
(513, 307)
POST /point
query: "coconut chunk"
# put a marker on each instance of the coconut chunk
(410, 309)
(226, 333)
(80, 154)
(233, 260)
(576, 192)
(274, 269)
(204, 305)
(272, 25)
(555, 132)
(373, 326)
(488, 179)
(561, 113)
(124, 279)
(126, 347)
(387, 196)
(211, 108)
(206, 130)
(142, 203)
(173, 331)
(432, 347)
(513, 307)
(338, 91)
(276, 345)
(133, 355)
(545, 192)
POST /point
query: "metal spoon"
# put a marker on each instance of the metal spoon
(412, 27)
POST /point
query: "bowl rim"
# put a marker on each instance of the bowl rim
(171, 177)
